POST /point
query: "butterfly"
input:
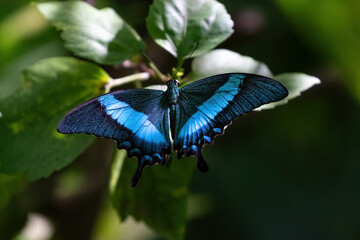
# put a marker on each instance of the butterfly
(149, 123)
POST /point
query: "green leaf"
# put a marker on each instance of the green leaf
(29, 141)
(49, 87)
(40, 150)
(178, 25)
(159, 199)
(99, 35)
(225, 61)
(295, 83)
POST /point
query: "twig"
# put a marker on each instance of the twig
(128, 79)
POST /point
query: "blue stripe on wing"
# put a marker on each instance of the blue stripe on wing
(137, 119)
(133, 120)
(207, 106)
(208, 110)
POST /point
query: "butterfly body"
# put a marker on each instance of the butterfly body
(143, 121)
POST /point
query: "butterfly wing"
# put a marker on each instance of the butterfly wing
(207, 106)
(137, 119)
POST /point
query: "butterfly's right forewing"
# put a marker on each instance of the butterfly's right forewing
(207, 106)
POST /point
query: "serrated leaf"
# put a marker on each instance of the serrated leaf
(39, 150)
(295, 83)
(159, 199)
(178, 25)
(29, 142)
(225, 61)
(99, 35)
(51, 86)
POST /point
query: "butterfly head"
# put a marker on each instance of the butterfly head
(172, 82)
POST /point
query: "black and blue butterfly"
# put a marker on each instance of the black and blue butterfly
(143, 121)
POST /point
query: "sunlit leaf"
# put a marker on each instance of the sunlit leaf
(159, 199)
(178, 26)
(50, 86)
(99, 35)
(157, 87)
(225, 61)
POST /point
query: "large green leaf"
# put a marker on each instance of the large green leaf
(49, 87)
(29, 142)
(40, 150)
(99, 35)
(159, 199)
(225, 61)
(177, 25)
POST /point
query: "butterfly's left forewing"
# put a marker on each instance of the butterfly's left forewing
(137, 119)
(207, 106)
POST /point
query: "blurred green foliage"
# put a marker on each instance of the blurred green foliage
(289, 173)
(160, 200)
(332, 27)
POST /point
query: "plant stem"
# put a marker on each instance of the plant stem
(128, 79)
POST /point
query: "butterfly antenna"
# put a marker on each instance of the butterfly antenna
(156, 68)
(174, 75)
(146, 56)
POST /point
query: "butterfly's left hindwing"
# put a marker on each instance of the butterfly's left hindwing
(137, 119)
(207, 106)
